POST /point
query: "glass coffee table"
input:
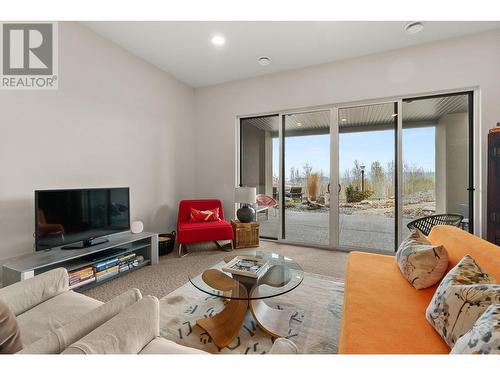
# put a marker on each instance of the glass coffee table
(281, 276)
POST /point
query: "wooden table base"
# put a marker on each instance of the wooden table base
(224, 326)
(273, 321)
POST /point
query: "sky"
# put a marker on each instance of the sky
(418, 150)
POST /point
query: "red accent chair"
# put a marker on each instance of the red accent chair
(189, 232)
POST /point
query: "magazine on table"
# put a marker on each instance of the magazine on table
(246, 266)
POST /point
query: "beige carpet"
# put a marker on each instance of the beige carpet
(316, 307)
(171, 272)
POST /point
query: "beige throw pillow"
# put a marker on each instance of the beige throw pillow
(461, 298)
(484, 337)
(10, 335)
(420, 262)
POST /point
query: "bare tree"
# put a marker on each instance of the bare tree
(356, 174)
(307, 169)
(377, 180)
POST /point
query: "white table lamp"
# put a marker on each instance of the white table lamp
(246, 196)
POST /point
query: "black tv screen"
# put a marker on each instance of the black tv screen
(68, 216)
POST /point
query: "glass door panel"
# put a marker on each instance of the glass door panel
(259, 167)
(306, 171)
(367, 176)
(436, 157)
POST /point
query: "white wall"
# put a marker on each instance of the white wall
(114, 121)
(254, 162)
(457, 162)
(452, 163)
(440, 163)
(472, 61)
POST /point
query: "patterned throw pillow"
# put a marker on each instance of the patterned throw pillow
(484, 337)
(461, 298)
(420, 262)
(206, 215)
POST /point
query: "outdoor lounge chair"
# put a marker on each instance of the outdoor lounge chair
(425, 224)
(295, 192)
(264, 202)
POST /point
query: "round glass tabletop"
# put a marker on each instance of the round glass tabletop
(276, 275)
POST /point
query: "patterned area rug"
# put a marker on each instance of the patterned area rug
(314, 326)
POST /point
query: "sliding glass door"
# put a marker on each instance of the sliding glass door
(437, 174)
(367, 176)
(306, 175)
(259, 168)
(353, 177)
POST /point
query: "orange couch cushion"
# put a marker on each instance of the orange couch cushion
(459, 243)
(383, 313)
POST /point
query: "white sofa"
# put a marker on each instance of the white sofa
(53, 319)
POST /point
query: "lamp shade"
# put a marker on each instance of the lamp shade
(245, 194)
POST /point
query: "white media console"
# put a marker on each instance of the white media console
(27, 266)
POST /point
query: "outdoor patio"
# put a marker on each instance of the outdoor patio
(357, 229)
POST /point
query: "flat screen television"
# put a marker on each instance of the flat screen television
(76, 216)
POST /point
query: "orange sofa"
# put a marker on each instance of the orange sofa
(384, 314)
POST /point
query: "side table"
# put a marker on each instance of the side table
(245, 234)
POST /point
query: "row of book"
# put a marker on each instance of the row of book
(104, 269)
(80, 277)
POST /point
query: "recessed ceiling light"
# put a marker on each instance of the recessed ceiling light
(218, 40)
(299, 124)
(264, 61)
(344, 120)
(413, 28)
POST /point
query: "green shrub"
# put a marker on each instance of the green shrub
(353, 194)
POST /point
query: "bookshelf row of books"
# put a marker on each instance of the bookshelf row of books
(80, 277)
(103, 269)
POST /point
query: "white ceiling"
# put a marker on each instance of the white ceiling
(184, 50)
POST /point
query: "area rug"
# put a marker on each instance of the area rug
(314, 326)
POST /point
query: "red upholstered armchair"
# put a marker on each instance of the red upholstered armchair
(189, 232)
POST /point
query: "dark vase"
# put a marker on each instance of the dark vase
(245, 214)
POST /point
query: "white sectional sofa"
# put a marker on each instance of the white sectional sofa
(55, 320)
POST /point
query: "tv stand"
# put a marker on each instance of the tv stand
(27, 266)
(89, 242)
